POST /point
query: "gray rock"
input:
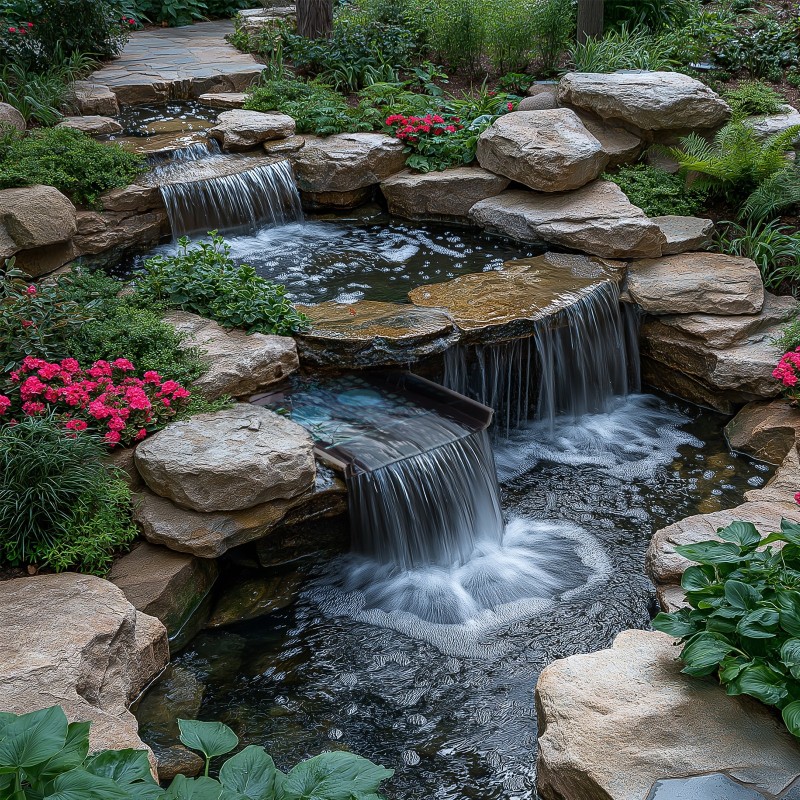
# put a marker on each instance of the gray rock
(347, 161)
(696, 283)
(92, 124)
(548, 151)
(649, 101)
(684, 233)
(613, 722)
(774, 124)
(765, 430)
(597, 219)
(540, 101)
(440, 195)
(228, 460)
(94, 98)
(241, 130)
(223, 99)
(239, 364)
(619, 146)
(11, 118)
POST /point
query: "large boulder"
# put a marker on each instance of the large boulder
(228, 460)
(76, 641)
(92, 124)
(548, 151)
(597, 219)
(241, 130)
(168, 585)
(94, 98)
(10, 118)
(684, 233)
(370, 333)
(33, 217)
(611, 723)
(346, 162)
(765, 430)
(238, 363)
(650, 101)
(449, 194)
(773, 124)
(690, 283)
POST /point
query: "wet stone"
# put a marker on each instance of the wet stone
(256, 597)
(703, 787)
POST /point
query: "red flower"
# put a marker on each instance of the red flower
(510, 106)
(76, 425)
(12, 30)
(5, 404)
(26, 323)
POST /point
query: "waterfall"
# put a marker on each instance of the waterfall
(234, 194)
(575, 363)
(191, 152)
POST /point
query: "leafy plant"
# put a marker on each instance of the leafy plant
(743, 620)
(650, 14)
(774, 247)
(203, 278)
(790, 336)
(753, 98)
(173, 12)
(70, 160)
(779, 191)
(764, 49)
(626, 48)
(656, 192)
(554, 26)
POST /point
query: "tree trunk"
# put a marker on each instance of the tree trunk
(315, 18)
(590, 19)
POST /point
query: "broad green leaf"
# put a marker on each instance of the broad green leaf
(791, 716)
(730, 668)
(761, 682)
(703, 653)
(710, 552)
(252, 773)
(210, 738)
(741, 595)
(6, 718)
(759, 624)
(77, 784)
(790, 655)
(183, 788)
(695, 579)
(789, 605)
(334, 776)
(744, 534)
(122, 766)
(73, 754)
(791, 531)
(33, 738)
(674, 624)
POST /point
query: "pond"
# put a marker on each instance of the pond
(451, 706)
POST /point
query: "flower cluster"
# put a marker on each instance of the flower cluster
(106, 397)
(23, 28)
(788, 373)
(411, 129)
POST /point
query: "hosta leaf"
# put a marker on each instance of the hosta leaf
(741, 595)
(674, 624)
(73, 754)
(791, 531)
(122, 766)
(334, 776)
(696, 579)
(77, 784)
(791, 716)
(789, 605)
(744, 534)
(252, 773)
(703, 653)
(183, 788)
(711, 552)
(759, 624)
(210, 738)
(33, 738)
(761, 682)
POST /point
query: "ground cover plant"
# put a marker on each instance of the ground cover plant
(743, 620)
(656, 192)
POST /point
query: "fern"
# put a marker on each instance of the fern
(776, 193)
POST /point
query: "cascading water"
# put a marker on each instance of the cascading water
(192, 152)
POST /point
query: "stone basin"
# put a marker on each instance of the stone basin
(509, 303)
(372, 333)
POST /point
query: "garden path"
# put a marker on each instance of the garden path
(178, 63)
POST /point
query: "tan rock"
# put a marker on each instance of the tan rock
(783, 485)
(100, 233)
(241, 130)
(597, 219)
(228, 460)
(346, 161)
(133, 197)
(35, 216)
(650, 101)
(613, 722)
(619, 145)
(371, 333)
(238, 363)
(282, 147)
(223, 99)
(440, 195)
(541, 101)
(689, 283)
(548, 151)
(336, 201)
(11, 118)
(94, 98)
(92, 124)
(74, 640)
(684, 233)
(765, 430)
(43, 260)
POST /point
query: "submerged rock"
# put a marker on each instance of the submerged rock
(238, 363)
(684, 233)
(508, 303)
(690, 283)
(346, 162)
(613, 722)
(440, 195)
(76, 641)
(766, 431)
(597, 219)
(256, 597)
(548, 151)
(240, 130)
(370, 333)
(650, 101)
(177, 760)
(228, 460)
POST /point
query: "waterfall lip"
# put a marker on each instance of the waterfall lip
(179, 172)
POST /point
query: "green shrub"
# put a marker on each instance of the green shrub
(554, 29)
(57, 500)
(743, 623)
(70, 160)
(456, 32)
(650, 14)
(626, 48)
(764, 49)
(753, 98)
(778, 192)
(657, 192)
(790, 336)
(202, 278)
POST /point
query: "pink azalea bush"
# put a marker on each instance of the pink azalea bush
(788, 373)
(105, 398)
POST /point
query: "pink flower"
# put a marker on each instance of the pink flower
(70, 365)
(12, 30)
(99, 369)
(49, 371)
(116, 424)
(5, 404)
(32, 407)
(510, 106)
(797, 498)
(76, 425)
(123, 364)
(26, 323)
(152, 377)
(140, 434)
(31, 387)
(112, 438)
(31, 289)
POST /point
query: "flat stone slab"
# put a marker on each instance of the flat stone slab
(228, 460)
(765, 430)
(650, 101)
(696, 283)
(684, 233)
(615, 721)
(242, 130)
(92, 124)
(449, 194)
(370, 333)
(703, 787)
(238, 363)
(94, 98)
(597, 219)
(176, 63)
(509, 303)
(223, 99)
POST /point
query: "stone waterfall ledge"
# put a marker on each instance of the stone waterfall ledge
(614, 722)
(75, 640)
